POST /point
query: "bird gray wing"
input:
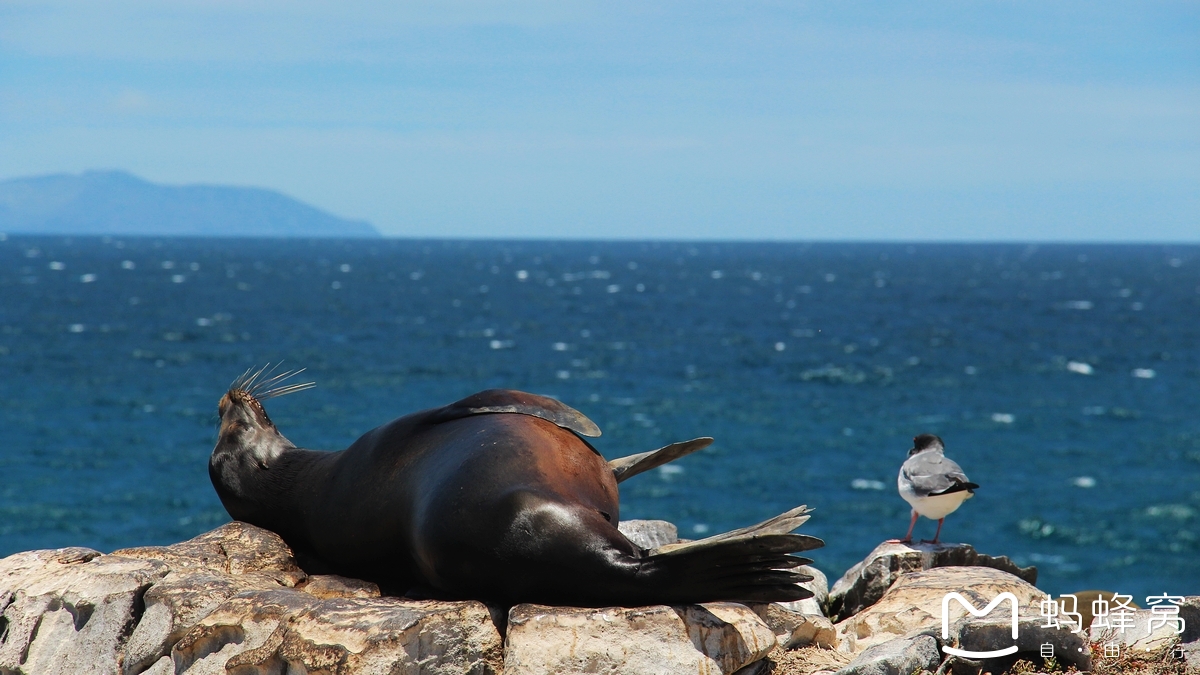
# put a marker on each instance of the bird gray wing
(932, 473)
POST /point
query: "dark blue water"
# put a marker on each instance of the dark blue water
(812, 365)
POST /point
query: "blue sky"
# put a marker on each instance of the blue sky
(748, 120)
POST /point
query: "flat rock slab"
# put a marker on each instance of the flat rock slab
(914, 603)
(794, 630)
(292, 631)
(711, 638)
(902, 656)
(865, 583)
(334, 586)
(1144, 637)
(236, 549)
(649, 533)
(820, 590)
(220, 603)
(69, 611)
(994, 632)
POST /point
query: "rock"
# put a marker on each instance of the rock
(205, 572)
(1189, 611)
(1190, 652)
(820, 590)
(334, 586)
(292, 631)
(237, 549)
(223, 601)
(762, 667)
(865, 583)
(794, 630)
(903, 656)
(68, 611)
(914, 603)
(649, 533)
(994, 632)
(716, 637)
(1138, 641)
(173, 606)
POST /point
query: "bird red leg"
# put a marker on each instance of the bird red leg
(939, 530)
(908, 537)
(913, 523)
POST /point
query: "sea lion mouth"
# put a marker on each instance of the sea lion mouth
(253, 387)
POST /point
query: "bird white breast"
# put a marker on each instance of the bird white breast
(935, 506)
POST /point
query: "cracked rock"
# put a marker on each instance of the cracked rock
(794, 630)
(70, 611)
(914, 603)
(865, 583)
(263, 632)
(718, 637)
(902, 656)
(649, 533)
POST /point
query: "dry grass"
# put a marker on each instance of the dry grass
(805, 661)
(1161, 662)
(810, 660)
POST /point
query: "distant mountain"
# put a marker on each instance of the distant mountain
(116, 202)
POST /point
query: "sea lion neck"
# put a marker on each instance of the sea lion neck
(246, 462)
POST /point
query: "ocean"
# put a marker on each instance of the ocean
(1065, 379)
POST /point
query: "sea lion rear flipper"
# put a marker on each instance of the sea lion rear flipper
(512, 401)
(628, 467)
(751, 564)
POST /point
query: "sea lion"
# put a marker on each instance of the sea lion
(496, 497)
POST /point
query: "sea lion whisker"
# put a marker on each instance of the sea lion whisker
(284, 391)
(254, 381)
(273, 380)
(247, 383)
(240, 380)
(264, 377)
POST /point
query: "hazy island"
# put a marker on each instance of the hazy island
(117, 202)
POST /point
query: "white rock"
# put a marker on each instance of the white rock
(820, 589)
(902, 656)
(794, 630)
(67, 611)
(263, 632)
(713, 638)
(914, 603)
(865, 583)
(649, 533)
(1138, 640)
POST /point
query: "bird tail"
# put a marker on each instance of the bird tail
(959, 486)
(751, 564)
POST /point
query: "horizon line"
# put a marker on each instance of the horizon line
(5, 236)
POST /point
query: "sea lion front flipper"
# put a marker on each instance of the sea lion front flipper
(628, 467)
(522, 403)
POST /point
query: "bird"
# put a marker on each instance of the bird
(934, 485)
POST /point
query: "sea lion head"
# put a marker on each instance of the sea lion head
(248, 444)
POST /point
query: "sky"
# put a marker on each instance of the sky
(944, 121)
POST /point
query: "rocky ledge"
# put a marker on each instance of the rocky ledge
(234, 600)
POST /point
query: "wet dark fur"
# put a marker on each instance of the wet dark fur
(462, 502)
